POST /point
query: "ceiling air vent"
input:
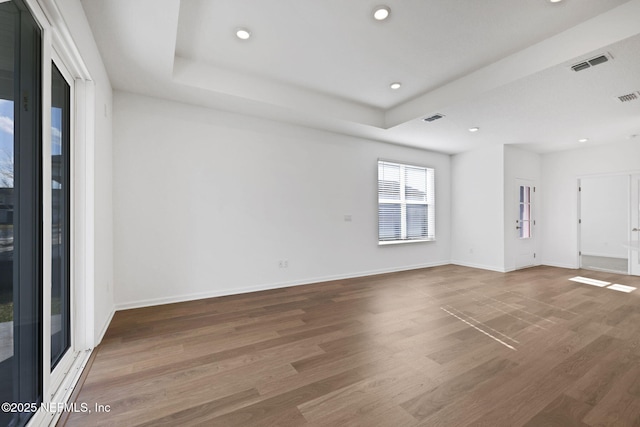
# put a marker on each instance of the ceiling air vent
(433, 118)
(628, 97)
(581, 66)
(591, 62)
(598, 60)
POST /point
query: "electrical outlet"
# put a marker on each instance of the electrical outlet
(283, 263)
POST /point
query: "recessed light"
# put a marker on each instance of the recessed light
(583, 140)
(381, 13)
(243, 33)
(555, 1)
(474, 129)
(395, 85)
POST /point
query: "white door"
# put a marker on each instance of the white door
(524, 231)
(634, 237)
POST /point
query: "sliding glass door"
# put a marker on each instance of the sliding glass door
(60, 216)
(20, 214)
(38, 355)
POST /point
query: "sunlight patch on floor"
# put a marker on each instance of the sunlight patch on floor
(602, 284)
(592, 282)
(622, 288)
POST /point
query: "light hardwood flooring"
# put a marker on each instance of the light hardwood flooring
(442, 346)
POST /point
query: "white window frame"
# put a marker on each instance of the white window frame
(403, 202)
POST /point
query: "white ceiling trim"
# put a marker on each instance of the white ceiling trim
(527, 98)
(196, 74)
(610, 27)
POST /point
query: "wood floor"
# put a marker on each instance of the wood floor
(443, 346)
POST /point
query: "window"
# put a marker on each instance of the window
(406, 203)
(524, 219)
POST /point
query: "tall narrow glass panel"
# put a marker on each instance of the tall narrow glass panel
(60, 220)
(20, 214)
(525, 212)
(9, 28)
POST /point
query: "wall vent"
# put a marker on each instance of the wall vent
(591, 62)
(433, 118)
(628, 97)
(597, 60)
(581, 66)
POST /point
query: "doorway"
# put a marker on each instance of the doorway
(608, 213)
(634, 237)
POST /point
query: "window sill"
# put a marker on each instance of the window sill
(400, 242)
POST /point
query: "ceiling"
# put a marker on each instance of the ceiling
(499, 65)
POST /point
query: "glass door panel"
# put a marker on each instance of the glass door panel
(60, 216)
(9, 25)
(20, 213)
(524, 220)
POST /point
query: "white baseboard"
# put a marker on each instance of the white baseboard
(267, 286)
(105, 326)
(560, 265)
(625, 256)
(480, 266)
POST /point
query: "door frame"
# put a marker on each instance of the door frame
(64, 365)
(532, 240)
(58, 44)
(629, 175)
(634, 223)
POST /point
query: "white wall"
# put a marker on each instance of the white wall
(206, 203)
(560, 173)
(477, 205)
(100, 166)
(604, 211)
(520, 164)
